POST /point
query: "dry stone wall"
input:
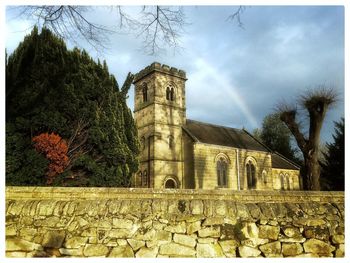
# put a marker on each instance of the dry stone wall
(106, 222)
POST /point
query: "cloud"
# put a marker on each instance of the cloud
(236, 76)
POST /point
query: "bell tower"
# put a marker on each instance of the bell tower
(159, 114)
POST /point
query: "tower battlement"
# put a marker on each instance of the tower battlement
(156, 66)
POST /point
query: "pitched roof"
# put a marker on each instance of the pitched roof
(279, 161)
(220, 135)
(231, 137)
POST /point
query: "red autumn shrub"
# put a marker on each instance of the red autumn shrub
(55, 150)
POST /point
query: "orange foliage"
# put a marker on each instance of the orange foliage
(55, 150)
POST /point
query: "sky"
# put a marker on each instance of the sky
(236, 76)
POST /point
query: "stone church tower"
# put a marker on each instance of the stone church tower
(160, 113)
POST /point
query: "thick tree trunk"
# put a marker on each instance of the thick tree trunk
(312, 173)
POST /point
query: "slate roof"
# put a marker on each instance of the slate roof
(231, 137)
(278, 161)
(220, 135)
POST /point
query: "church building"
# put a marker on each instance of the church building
(180, 153)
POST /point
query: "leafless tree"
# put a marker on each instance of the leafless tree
(158, 26)
(316, 103)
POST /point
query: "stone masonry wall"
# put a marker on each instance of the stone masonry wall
(110, 222)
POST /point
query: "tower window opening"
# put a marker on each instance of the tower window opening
(168, 93)
(144, 92)
(172, 94)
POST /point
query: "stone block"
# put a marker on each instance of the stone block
(16, 244)
(254, 242)
(292, 249)
(291, 231)
(95, 250)
(210, 221)
(114, 206)
(266, 210)
(270, 232)
(229, 247)
(75, 242)
(16, 254)
(136, 244)
(338, 239)
(254, 210)
(250, 230)
(121, 233)
(318, 247)
(209, 232)
(207, 240)
(122, 223)
(242, 211)
(193, 227)
(273, 248)
(72, 251)
(173, 249)
(89, 232)
(209, 251)
(340, 252)
(292, 239)
(122, 252)
(220, 208)
(54, 239)
(46, 207)
(317, 232)
(184, 240)
(162, 235)
(178, 228)
(247, 252)
(16, 208)
(145, 252)
(197, 207)
(309, 222)
(11, 230)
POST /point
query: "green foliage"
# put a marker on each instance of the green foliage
(333, 167)
(52, 89)
(275, 135)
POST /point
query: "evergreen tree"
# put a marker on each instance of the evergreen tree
(275, 135)
(333, 167)
(50, 89)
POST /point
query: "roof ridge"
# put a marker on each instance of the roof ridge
(214, 125)
(258, 141)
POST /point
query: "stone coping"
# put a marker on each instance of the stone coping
(93, 193)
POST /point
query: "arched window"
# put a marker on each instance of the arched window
(170, 183)
(172, 94)
(145, 178)
(144, 92)
(264, 176)
(251, 175)
(168, 93)
(171, 141)
(221, 166)
(287, 182)
(291, 183)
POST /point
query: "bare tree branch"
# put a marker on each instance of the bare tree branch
(68, 22)
(237, 16)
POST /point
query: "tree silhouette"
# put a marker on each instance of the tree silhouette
(333, 166)
(316, 103)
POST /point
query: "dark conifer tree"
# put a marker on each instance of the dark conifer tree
(333, 168)
(52, 89)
